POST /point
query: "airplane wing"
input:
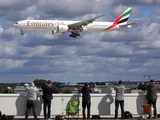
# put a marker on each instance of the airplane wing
(83, 23)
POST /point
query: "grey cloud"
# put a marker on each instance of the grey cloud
(137, 2)
(69, 8)
(126, 54)
(16, 9)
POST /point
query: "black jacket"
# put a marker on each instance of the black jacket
(47, 91)
(86, 93)
(151, 91)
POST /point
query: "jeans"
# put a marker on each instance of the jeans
(122, 108)
(31, 104)
(153, 102)
(88, 104)
(47, 102)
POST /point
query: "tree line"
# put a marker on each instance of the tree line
(56, 86)
(38, 83)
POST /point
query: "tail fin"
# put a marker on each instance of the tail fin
(124, 17)
(122, 20)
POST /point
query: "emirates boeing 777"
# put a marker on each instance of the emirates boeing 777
(59, 27)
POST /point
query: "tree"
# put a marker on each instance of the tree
(59, 90)
(57, 84)
(142, 86)
(79, 90)
(39, 83)
(67, 90)
(96, 92)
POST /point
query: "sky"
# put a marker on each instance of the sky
(126, 55)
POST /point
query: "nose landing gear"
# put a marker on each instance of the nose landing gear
(21, 32)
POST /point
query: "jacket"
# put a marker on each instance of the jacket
(47, 91)
(86, 93)
(119, 92)
(31, 92)
(151, 91)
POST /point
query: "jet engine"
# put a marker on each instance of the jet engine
(62, 28)
(56, 33)
(84, 28)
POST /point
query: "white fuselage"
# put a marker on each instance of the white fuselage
(59, 27)
(54, 25)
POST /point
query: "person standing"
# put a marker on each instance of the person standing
(47, 97)
(119, 99)
(31, 100)
(86, 99)
(152, 96)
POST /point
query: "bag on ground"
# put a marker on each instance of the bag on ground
(58, 117)
(0, 115)
(96, 117)
(4, 117)
(127, 115)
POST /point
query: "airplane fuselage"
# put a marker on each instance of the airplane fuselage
(59, 27)
(54, 25)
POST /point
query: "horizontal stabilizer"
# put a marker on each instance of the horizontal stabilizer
(127, 25)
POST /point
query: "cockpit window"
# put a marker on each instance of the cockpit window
(16, 22)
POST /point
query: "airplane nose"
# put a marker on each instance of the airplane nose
(15, 25)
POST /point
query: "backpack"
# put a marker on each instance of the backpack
(96, 117)
(4, 117)
(127, 115)
(10, 117)
(58, 117)
(0, 115)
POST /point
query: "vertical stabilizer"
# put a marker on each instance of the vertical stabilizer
(124, 17)
(122, 20)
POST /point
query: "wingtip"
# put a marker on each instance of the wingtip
(102, 15)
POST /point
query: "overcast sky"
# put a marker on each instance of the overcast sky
(127, 54)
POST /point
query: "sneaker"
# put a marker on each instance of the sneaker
(49, 119)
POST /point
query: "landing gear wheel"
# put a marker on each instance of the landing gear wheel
(22, 32)
(73, 34)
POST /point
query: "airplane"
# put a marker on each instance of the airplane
(58, 27)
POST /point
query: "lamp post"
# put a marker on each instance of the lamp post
(150, 76)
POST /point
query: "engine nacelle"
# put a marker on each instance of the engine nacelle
(84, 28)
(62, 28)
(56, 33)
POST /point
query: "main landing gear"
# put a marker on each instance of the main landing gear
(22, 32)
(74, 34)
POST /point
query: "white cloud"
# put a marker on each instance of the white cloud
(10, 63)
(1, 30)
(125, 54)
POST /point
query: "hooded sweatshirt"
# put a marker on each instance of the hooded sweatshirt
(151, 91)
(119, 92)
(31, 91)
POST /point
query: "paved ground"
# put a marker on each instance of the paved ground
(103, 118)
(92, 119)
